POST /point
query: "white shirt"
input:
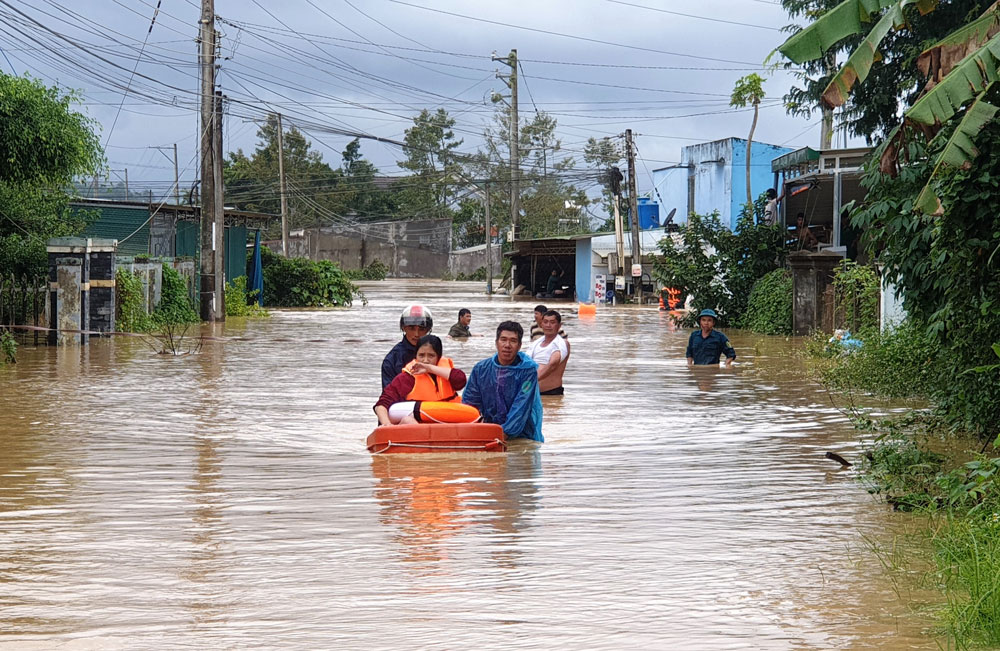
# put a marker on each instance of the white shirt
(541, 354)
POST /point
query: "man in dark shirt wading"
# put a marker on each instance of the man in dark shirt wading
(706, 345)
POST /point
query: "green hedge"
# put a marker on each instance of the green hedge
(769, 308)
(300, 282)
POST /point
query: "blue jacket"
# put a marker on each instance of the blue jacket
(507, 395)
(401, 354)
(706, 350)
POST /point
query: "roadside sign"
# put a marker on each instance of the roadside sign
(636, 270)
(600, 288)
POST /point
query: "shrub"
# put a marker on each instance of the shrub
(719, 267)
(857, 290)
(240, 302)
(769, 308)
(8, 348)
(175, 302)
(376, 270)
(300, 282)
(130, 303)
(898, 363)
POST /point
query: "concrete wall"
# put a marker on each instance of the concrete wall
(410, 249)
(469, 260)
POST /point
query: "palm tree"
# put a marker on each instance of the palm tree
(749, 90)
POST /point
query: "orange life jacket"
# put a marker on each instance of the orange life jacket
(429, 387)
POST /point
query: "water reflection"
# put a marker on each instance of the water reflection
(429, 499)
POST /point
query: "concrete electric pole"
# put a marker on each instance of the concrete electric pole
(489, 242)
(634, 218)
(515, 156)
(207, 270)
(220, 214)
(281, 188)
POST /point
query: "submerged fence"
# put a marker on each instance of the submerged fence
(22, 302)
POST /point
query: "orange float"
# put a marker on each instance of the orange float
(437, 437)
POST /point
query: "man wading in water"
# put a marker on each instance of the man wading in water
(706, 345)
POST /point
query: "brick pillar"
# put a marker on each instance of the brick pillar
(102, 285)
(78, 301)
(812, 274)
(66, 278)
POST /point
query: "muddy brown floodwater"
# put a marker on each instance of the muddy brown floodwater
(225, 499)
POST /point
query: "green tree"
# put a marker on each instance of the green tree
(363, 197)
(44, 144)
(430, 156)
(550, 201)
(602, 155)
(749, 91)
(313, 188)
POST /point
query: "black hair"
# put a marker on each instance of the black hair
(553, 313)
(434, 341)
(541, 308)
(801, 216)
(771, 193)
(511, 326)
(463, 312)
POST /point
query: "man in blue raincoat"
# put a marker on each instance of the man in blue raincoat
(505, 387)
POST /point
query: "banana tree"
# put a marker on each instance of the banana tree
(960, 70)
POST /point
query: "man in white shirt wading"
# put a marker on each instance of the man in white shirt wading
(551, 354)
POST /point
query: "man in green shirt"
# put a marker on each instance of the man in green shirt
(461, 329)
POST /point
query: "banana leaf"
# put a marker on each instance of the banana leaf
(965, 81)
(859, 64)
(958, 151)
(938, 60)
(844, 20)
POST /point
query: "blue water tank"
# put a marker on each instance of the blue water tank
(649, 213)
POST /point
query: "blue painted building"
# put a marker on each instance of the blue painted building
(711, 177)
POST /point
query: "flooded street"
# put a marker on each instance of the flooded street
(226, 499)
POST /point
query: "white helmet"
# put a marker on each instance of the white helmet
(417, 315)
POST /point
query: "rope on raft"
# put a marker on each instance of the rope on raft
(486, 446)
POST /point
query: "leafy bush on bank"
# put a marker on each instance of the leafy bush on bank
(769, 308)
(175, 305)
(241, 302)
(375, 270)
(8, 348)
(300, 282)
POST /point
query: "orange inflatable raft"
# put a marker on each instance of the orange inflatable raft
(437, 437)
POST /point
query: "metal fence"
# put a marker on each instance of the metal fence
(22, 303)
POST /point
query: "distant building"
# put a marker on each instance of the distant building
(711, 177)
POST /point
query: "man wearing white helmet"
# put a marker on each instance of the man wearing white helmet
(415, 322)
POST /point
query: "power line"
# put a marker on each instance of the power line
(129, 84)
(562, 35)
(677, 13)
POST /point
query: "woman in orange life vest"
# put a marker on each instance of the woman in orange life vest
(428, 378)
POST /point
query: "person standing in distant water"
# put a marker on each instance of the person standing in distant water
(537, 332)
(415, 322)
(461, 329)
(505, 387)
(771, 207)
(706, 345)
(550, 353)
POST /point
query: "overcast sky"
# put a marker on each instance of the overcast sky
(368, 66)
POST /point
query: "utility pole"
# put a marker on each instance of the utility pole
(281, 184)
(515, 157)
(177, 180)
(206, 37)
(619, 233)
(634, 214)
(126, 184)
(489, 244)
(220, 213)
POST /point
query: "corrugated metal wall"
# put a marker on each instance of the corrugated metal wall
(118, 223)
(235, 251)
